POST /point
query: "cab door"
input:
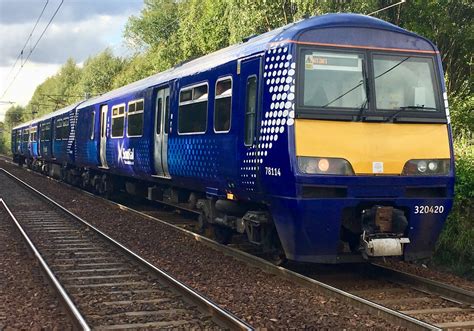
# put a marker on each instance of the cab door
(103, 136)
(162, 127)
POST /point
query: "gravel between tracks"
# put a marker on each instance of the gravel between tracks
(259, 298)
(426, 272)
(26, 302)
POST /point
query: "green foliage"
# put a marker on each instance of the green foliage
(3, 143)
(155, 25)
(455, 247)
(448, 23)
(462, 115)
(141, 66)
(99, 72)
(55, 92)
(13, 117)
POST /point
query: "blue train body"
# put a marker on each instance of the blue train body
(229, 133)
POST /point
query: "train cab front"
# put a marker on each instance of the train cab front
(371, 189)
(371, 155)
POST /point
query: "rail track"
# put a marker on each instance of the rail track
(102, 284)
(443, 306)
(432, 305)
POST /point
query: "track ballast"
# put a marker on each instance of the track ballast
(111, 287)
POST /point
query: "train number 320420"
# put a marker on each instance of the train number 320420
(429, 209)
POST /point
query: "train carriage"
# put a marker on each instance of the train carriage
(327, 139)
(24, 140)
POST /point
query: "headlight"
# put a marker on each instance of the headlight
(427, 167)
(324, 166)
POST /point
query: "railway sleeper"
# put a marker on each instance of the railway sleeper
(220, 218)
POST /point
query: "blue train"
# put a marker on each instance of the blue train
(328, 140)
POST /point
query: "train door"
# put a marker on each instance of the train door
(249, 96)
(103, 136)
(162, 127)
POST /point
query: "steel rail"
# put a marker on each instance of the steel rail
(364, 304)
(450, 292)
(78, 319)
(367, 305)
(223, 317)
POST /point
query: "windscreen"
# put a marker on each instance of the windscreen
(333, 80)
(404, 82)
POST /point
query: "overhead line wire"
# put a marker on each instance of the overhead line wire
(33, 48)
(28, 39)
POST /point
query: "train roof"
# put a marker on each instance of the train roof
(252, 46)
(49, 115)
(23, 125)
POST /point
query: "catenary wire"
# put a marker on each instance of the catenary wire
(28, 39)
(33, 48)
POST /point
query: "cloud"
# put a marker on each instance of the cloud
(62, 40)
(80, 29)
(27, 11)
(31, 76)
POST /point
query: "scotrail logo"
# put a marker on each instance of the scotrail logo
(126, 155)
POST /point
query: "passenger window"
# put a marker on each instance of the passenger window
(159, 104)
(45, 131)
(118, 121)
(92, 127)
(223, 105)
(135, 119)
(192, 114)
(65, 129)
(250, 109)
(25, 135)
(58, 131)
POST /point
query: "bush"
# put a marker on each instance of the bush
(455, 248)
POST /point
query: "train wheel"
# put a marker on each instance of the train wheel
(202, 224)
(278, 258)
(223, 235)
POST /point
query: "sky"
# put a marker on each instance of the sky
(81, 28)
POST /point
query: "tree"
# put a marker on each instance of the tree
(99, 72)
(56, 91)
(13, 117)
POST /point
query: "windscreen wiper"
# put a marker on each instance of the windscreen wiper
(366, 101)
(364, 104)
(343, 94)
(401, 109)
